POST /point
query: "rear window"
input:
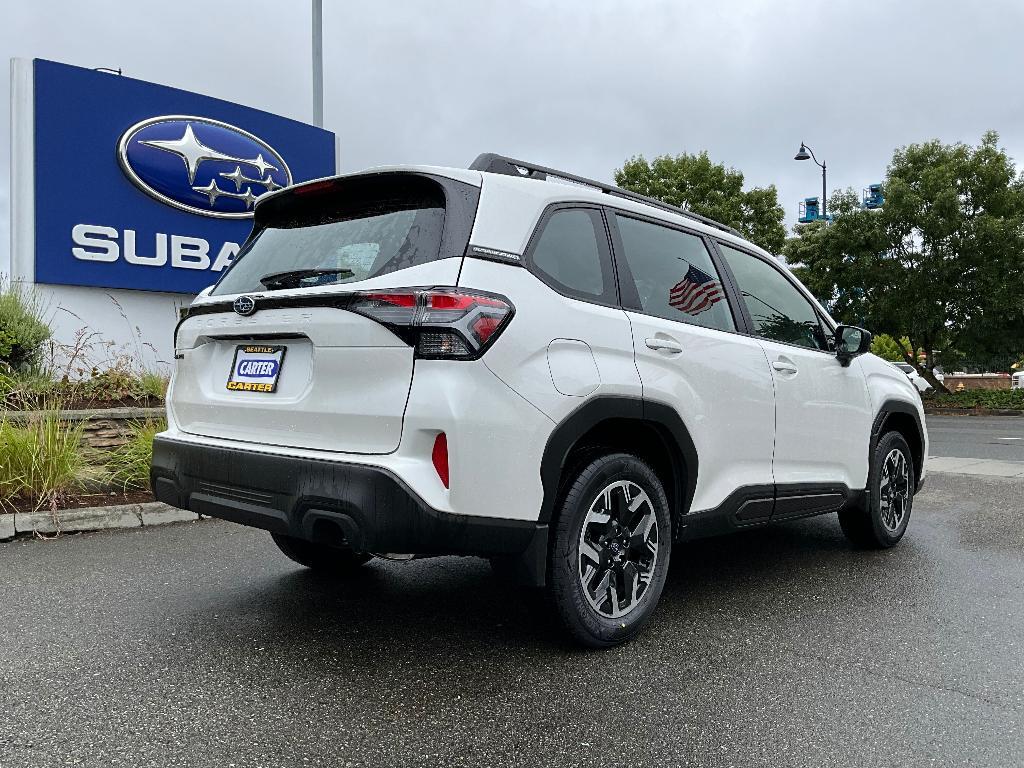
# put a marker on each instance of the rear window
(341, 232)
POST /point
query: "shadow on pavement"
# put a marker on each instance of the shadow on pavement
(427, 606)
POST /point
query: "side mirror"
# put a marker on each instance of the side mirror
(850, 342)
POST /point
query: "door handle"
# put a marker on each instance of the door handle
(784, 365)
(666, 345)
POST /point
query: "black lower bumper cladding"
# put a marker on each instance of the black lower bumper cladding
(363, 507)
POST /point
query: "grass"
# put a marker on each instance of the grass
(30, 384)
(41, 461)
(128, 466)
(154, 384)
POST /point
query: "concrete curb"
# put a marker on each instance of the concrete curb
(91, 519)
(92, 414)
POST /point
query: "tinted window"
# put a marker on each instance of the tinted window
(571, 254)
(362, 228)
(779, 311)
(673, 274)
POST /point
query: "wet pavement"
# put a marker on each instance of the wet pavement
(200, 645)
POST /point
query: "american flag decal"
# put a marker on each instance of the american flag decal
(695, 293)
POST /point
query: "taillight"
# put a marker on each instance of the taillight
(447, 323)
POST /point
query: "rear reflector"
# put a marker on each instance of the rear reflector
(440, 457)
(441, 323)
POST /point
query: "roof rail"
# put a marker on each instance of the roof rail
(492, 163)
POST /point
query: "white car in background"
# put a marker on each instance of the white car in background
(916, 378)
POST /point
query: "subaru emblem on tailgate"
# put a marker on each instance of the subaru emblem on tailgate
(244, 305)
(201, 165)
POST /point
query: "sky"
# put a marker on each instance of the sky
(580, 85)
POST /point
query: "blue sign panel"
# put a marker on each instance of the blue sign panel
(148, 187)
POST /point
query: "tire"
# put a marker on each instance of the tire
(593, 548)
(320, 557)
(882, 521)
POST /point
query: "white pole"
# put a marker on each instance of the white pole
(318, 63)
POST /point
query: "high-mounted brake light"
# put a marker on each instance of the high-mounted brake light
(313, 188)
(441, 323)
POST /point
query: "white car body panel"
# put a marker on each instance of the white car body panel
(822, 417)
(721, 386)
(490, 426)
(520, 357)
(887, 384)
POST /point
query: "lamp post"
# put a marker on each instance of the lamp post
(318, 63)
(806, 153)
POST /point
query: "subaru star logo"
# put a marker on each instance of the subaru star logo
(244, 305)
(201, 165)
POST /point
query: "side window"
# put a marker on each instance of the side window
(779, 311)
(673, 273)
(571, 255)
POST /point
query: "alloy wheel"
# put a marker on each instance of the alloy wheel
(618, 549)
(894, 490)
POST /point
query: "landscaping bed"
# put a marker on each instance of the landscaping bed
(976, 402)
(77, 422)
(83, 499)
(938, 411)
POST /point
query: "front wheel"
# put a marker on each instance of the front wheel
(319, 557)
(882, 522)
(610, 552)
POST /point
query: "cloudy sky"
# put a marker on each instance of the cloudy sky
(577, 84)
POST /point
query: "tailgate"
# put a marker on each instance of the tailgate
(341, 380)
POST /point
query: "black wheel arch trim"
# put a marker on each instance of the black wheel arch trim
(887, 409)
(663, 418)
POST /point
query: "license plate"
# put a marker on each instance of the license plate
(256, 368)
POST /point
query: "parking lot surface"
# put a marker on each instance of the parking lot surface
(200, 645)
(985, 437)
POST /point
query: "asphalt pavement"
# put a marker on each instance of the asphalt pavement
(978, 437)
(200, 645)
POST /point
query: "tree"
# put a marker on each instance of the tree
(941, 263)
(709, 189)
(887, 348)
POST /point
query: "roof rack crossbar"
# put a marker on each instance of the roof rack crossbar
(494, 163)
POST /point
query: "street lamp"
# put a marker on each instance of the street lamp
(806, 153)
(318, 62)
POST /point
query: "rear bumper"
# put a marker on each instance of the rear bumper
(364, 507)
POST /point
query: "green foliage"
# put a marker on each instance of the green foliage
(128, 465)
(709, 189)
(1005, 399)
(942, 263)
(23, 330)
(28, 384)
(40, 461)
(34, 387)
(887, 348)
(111, 384)
(154, 384)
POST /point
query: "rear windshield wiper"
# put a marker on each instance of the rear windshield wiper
(293, 277)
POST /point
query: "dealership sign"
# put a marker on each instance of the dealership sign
(143, 186)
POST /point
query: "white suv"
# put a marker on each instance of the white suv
(561, 376)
